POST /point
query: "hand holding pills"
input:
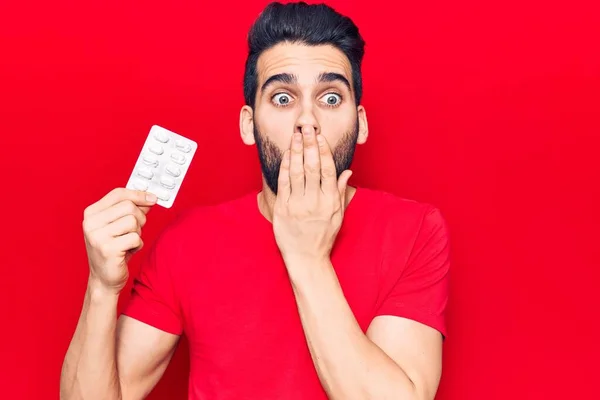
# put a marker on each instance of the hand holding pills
(112, 229)
(113, 226)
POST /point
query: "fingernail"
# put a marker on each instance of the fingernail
(298, 137)
(151, 197)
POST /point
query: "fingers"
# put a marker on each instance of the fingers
(115, 196)
(308, 167)
(114, 213)
(328, 172)
(297, 165)
(124, 234)
(145, 209)
(312, 161)
(342, 185)
(283, 181)
(124, 225)
(131, 241)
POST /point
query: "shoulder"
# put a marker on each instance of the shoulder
(414, 238)
(396, 211)
(400, 225)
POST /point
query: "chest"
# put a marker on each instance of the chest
(242, 293)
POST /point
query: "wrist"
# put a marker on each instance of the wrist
(301, 268)
(99, 292)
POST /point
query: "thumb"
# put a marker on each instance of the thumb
(343, 184)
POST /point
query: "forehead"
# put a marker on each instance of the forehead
(307, 62)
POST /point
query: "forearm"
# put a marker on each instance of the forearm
(89, 369)
(349, 364)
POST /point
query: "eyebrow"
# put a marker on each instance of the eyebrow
(333, 77)
(291, 79)
(286, 78)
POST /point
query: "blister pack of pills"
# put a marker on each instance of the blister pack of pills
(162, 164)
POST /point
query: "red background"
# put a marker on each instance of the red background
(488, 111)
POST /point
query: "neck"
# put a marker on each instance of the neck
(266, 200)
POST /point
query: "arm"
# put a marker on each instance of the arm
(111, 358)
(396, 359)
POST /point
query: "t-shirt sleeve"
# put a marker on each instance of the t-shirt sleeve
(153, 296)
(420, 291)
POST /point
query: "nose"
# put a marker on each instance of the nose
(307, 118)
(302, 128)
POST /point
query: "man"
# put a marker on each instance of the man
(308, 289)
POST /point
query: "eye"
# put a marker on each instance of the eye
(282, 99)
(332, 99)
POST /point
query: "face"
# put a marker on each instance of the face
(301, 85)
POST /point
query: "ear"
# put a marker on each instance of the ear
(247, 125)
(363, 126)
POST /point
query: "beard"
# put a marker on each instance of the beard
(270, 155)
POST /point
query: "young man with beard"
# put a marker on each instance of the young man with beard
(308, 289)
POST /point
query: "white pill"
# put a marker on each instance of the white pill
(183, 146)
(161, 136)
(162, 164)
(178, 158)
(173, 170)
(145, 172)
(167, 182)
(150, 160)
(162, 194)
(156, 149)
(140, 185)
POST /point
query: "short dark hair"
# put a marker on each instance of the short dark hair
(312, 25)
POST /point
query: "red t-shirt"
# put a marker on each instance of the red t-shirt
(216, 275)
